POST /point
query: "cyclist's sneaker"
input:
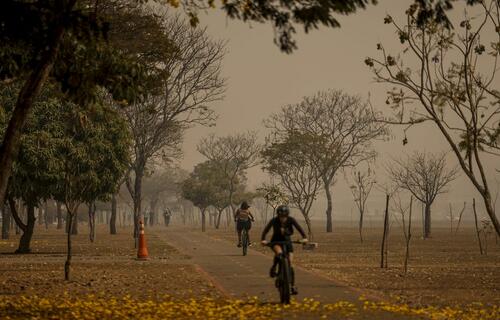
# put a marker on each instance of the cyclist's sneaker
(294, 291)
(272, 272)
(250, 244)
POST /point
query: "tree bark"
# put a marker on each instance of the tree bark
(228, 217)
(329, 208)
(427, 219)
(67, 264)
(74, 223)
(477, 226)
(460, 217)
(219, 214)
(30, 90)
(408, 238)
(59, 215)
(360, 226)
(203, 220)
(153, 214)
(112, 221)
(184, 215)
(308, 225)
(92, 211)
(48, 215)
(139, 174)
(25, 241)
(5, 222)
(383, 256)
(490, 210)
(40, 216)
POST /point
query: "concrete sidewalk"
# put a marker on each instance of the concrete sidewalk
(241, 276)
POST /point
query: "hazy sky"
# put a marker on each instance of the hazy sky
(261, 80)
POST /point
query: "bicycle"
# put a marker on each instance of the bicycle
(244, 241)
(245, 238)
(284, 276)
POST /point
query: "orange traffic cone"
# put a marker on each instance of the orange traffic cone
(142, 252)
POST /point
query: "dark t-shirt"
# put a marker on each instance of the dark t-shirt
(282, 231)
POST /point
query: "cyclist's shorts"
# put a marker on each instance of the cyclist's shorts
(289, 245)
(241, 224)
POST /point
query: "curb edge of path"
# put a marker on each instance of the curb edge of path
(212, 280)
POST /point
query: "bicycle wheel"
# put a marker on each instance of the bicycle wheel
(244, 241)
(284, 281)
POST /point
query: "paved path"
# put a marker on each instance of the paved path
(240, 276)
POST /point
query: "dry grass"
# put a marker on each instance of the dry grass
(444, 270)
(106, 267)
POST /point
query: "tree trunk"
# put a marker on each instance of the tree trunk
(40, 216)
(47, 216)
(361, 214)
(139, 174)
(5, 222)
(490, 210)
(427, 219)
(329, 208)
(112, 221)
(408, 238)
(74, 223)
(203, 220)
(30, 90)
(59, 215)
(228, 217)
(152, 216)
(219, 214)
(92, 210)
(477, 226)
(24, 242)
(308, 224)
(184, 215)
(383, 253)
(460, 217)
(67, 264)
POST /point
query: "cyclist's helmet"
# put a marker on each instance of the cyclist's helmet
(244, 205)
(283, 211)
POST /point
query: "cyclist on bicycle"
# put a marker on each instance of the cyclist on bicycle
(243, 218)
(282, 226)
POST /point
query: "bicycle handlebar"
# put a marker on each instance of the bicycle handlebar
(272, 243)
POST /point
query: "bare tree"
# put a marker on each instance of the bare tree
(233, 155)
(273, 194)
(425, 176)
(361, 187)
(451, 217)
(405, 211)
(343, 126)
(452, 81)
(290, 161)
(185, 67)
(460, 217)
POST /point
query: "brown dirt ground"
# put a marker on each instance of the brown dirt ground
(444, 270)
(106, 267)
